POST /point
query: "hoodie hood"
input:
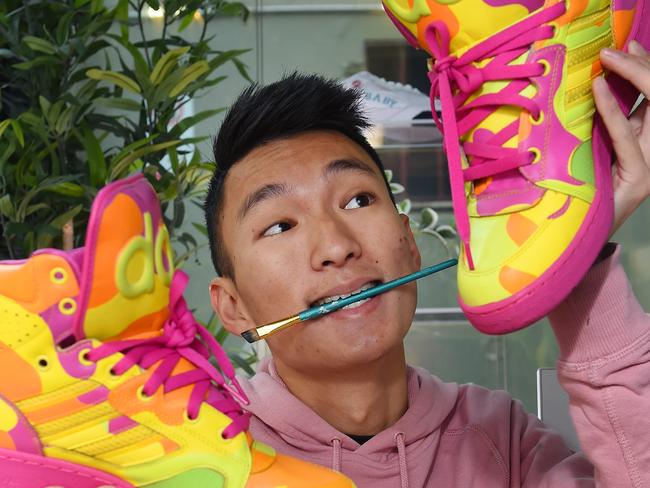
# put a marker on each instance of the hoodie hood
(284, 422)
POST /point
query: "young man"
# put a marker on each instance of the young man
(299, 212)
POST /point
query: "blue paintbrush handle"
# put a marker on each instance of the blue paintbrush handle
(314, 312)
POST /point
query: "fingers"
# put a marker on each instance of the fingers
(620, 129)
(634, 65)
(631, 178)
(640, 120)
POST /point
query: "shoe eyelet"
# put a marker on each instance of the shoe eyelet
(43, 363)
(538, 120)
(188, 419)
(546, 65)
(536, 153)
(58, 276)
(83, 357)
(142, 396)
(555, 27)
(67, 306)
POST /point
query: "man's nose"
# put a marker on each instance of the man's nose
(334, 243)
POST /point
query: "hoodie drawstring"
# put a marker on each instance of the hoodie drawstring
(403, 467)
(336, 454)
(401, 453)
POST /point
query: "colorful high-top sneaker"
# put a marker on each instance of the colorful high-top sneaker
(106, 376)
(529, 161)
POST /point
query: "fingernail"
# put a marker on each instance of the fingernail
(612, 53)
(636, 48)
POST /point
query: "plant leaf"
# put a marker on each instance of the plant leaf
(59, 221)
(40, 45)
(180, 128)
(225, 56)
(132, 147)
(18, 132)
(96, 6)
(95, 155)
(118, 79)
(186, 21)
(201, 228)
(396, 188)
(45, 105)
(7, 207)
(3, 126)
(447, 231)
(63, 120)
(241, 362)
(404, 206)
(428, 219)
(190, 74)
(118, 103)
(166, 63)
(67, 188)
(37, 61)
(124, 163)
(35, 208)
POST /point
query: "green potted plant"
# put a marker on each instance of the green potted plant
(86, 97)
(71, 121)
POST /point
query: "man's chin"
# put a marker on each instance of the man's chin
(339, 357)
(360, 352)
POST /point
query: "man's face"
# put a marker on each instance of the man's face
(306, 219)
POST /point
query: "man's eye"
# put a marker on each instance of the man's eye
(360, 200)
(277, 229)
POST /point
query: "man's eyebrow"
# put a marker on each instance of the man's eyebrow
(265, 192)
(343, 165)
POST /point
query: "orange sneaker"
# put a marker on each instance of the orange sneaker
(109, 380)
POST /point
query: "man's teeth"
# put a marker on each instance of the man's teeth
(338, 297)
(356, 304)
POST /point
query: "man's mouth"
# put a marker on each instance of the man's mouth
(333, 298)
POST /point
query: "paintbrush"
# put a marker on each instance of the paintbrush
(254, 335)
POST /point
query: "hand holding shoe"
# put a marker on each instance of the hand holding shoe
(630, 136)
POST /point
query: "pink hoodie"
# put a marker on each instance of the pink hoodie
(467, 436)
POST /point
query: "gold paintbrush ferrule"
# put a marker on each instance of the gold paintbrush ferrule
(266, 330)
(269, 329)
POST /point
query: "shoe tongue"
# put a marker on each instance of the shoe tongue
(491, 17)
(468, 21)
(128, 264)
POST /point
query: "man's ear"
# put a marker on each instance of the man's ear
(413, 247)
(227, 303)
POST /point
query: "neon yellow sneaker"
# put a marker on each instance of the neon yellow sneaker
(107, 379)
(529, 163)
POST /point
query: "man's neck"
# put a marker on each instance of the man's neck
(363, 401)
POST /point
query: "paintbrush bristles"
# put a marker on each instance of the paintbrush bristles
(251, 336)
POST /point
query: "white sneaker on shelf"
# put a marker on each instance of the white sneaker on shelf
(398, 112)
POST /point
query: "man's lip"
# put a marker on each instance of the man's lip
(346, 288)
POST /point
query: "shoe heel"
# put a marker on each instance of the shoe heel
(21, 469)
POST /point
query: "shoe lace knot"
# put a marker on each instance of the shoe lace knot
(212, 376)
(456, 81)
(181, 328)
(467, 77)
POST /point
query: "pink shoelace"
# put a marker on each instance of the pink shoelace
(449, 73)
(179, 340)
